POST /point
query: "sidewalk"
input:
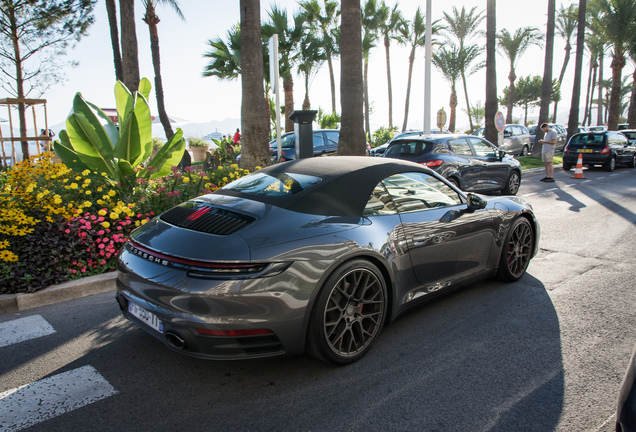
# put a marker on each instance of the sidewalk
(98, 284)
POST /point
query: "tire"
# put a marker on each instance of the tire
(632, 162)
(524, 151)
(567, 166)
(517, 251)
(349, 313)
(512, 184)
(610, 164)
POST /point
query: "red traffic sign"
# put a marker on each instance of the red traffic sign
(500, 121)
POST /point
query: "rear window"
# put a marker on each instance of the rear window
(406, 148)
(286, 141)
(588, 139)
(283, 184)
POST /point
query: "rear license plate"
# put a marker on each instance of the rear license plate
(586, 150)
(145, 316)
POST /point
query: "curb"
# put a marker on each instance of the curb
(75, 289)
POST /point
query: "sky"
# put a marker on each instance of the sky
(195, 99)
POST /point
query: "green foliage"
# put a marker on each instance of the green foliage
(382, 136)
(197, 142)
(328, 121)
(92, 141)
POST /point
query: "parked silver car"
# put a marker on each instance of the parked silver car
(561, 131)
(517, 139)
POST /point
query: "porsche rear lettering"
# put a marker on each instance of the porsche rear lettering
(149, 257)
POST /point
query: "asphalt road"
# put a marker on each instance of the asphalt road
(546, 353)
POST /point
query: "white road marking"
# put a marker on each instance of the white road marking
(553, 189)
(50, 397)
(24, 329)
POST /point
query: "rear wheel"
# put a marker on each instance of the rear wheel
(512, 184)
(524, 151)
(349, 313)
(610, 164)
(567, 166)
(517, 251)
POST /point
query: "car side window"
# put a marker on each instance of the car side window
(483, 148)
(460, 147)
(332, 137)
(380, 203)
(415, 191)
(319, 140)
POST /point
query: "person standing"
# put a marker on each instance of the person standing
(237, 137)
(547, 152)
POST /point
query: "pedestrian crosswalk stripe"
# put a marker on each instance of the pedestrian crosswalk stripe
(42, 400)
(24, 329)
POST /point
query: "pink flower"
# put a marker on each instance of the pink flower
(189, 169)
(177, 175)
(174, 168)
(67, 231)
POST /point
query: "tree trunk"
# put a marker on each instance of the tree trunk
(470, 118)
(573, 119)
(408, 89)
(599, 99)
(568, 48)
(254, 121)
(352, 140)
(511, 94)
(453, 110)
(546, 86)
(19, 76)
(130, 56)
(288, 90)
(111, 9)
(491, 72)
(152, 20)
(587, 95)
(388, 80)
(631, 114)
(366, 99)
(589, 116)
(332, 82)
(618, 63)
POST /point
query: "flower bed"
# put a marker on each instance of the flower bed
(57, 224)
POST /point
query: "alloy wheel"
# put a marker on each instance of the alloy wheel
(354, 312)
(519, 249)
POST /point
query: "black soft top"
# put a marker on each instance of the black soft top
(346, 185)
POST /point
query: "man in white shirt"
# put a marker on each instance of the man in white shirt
(547, 152)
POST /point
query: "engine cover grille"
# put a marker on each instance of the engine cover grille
(205, 218)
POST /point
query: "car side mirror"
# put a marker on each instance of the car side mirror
(502, 153)
(475, 203)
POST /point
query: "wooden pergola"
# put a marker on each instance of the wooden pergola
(44, 140)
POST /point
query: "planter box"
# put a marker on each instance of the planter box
(198, 153)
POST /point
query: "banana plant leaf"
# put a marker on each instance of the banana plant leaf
(168, 156)
(125, 103)
(136, 134)
(102, 125)
(145, 87)
(95, 153)
(65, 152)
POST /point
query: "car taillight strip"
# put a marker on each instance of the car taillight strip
(234, 333)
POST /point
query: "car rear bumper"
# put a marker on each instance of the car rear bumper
(588, 158)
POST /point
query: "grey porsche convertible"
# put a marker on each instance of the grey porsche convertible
(314, 255)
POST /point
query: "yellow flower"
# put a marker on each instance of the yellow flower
(102, 212)
(8, 256)
(114, 215)
(87, 204)
(106, 225)
(186, 179)
(4, 244)
(112, 193)
(86, 172)
(88, 192)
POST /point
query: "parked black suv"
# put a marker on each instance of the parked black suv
(469, 162)
(607, 148)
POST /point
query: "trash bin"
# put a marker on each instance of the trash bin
(303, 129)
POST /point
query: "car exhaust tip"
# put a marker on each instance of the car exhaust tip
(175, 340)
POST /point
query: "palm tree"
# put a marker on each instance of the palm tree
(573, 119)
(288, 40)
(351, 141)
(595, 45)
(566, 23)
(448, 61)
(152, 20)
(415, 35)
(513, 47)
(308, 59)
(225, 56)
(254, 121)
(464, 25)
(111, 10)
(631, 114)
(546, 86)
(617, 21)
(490, 130)
(129, 50)
(324, 22)
(370, 36)
(390, 24)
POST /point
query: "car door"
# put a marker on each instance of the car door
(494, 172)
(467, 167)
(443, 250)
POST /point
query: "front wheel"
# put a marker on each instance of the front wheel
(349, 313)
(512, 184)
(517, 251)
(632, 161)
